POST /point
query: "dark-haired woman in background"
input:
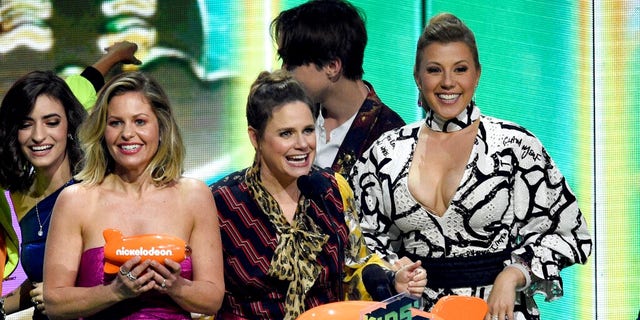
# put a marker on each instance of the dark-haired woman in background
(39, 120)
(39, 153)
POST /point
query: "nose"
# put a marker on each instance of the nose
(127, 131)
(302, 141)
(447, 80)
(38, 133)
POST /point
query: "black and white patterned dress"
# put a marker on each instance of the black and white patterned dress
(512, 200)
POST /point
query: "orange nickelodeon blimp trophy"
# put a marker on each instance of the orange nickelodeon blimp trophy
(118, 249)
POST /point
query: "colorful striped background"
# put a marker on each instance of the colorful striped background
(567, 70)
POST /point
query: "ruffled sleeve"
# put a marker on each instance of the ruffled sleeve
(550, 231)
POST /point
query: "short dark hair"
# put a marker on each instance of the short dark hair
(319, 32)
(269, 91)
(16, 172)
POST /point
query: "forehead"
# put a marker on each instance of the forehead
(447, 52)
(46, 105)
(129, 103)
(291, 114)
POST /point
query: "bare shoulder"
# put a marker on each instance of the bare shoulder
(186, 184)
(75, 200)
(74, 192)
(196, 198)
(193, 189)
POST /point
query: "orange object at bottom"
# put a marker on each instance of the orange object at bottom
(447, 308)
(460, 308)
(354, 310)
(118, 249)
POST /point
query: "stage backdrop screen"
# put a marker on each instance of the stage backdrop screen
(569, 71)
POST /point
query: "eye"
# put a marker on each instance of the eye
(286, 134)
(53, 123)
(25, 124)
(309, 130)
(432, 69)
(461, 69)
(114, 123)
(140, 122)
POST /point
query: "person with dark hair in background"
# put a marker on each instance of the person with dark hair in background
(322, 42)
(39, 119)
(39, 153)
(290, 237)
(477, 199)
(132, 181)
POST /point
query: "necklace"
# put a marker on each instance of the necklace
(40, 231)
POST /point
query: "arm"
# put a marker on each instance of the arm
(118, 52)
(371, 202)
(19, 299)
(550, 232)
(62, 258)
(90, 81)
(10, 245)
(204, 293)
(358, 258)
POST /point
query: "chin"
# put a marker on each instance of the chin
(297, 172)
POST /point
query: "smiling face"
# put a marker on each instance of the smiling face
(287, 147)
(132, 133)
(43, 135)
(447, 77)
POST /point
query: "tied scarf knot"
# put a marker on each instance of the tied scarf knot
(299, 242)
(300, 247)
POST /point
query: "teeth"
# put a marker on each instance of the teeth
(298, 158)
(448, 96)
(130, 147)
(41, 148)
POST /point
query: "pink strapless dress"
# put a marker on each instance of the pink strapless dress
(150, 305)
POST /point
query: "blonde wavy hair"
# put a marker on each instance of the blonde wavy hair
(167, 164)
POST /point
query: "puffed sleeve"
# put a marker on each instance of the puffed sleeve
(83, 89)
(357, 255)
(372, 179)
(550, 231)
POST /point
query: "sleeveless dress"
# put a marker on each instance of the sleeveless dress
(33, 242)
(151, 305)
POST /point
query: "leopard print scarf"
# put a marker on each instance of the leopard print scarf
(294, 258)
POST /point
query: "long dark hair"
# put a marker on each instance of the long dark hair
(16, 172)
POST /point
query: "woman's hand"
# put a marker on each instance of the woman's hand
(37, 298)
(134, 278)
(412, 278)
(166, 277)
(503, 294)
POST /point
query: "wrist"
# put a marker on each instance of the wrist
(391, 277)
(520, 276)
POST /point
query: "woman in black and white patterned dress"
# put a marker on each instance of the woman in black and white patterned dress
(477, 199)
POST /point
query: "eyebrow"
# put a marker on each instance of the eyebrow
(46, 116)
